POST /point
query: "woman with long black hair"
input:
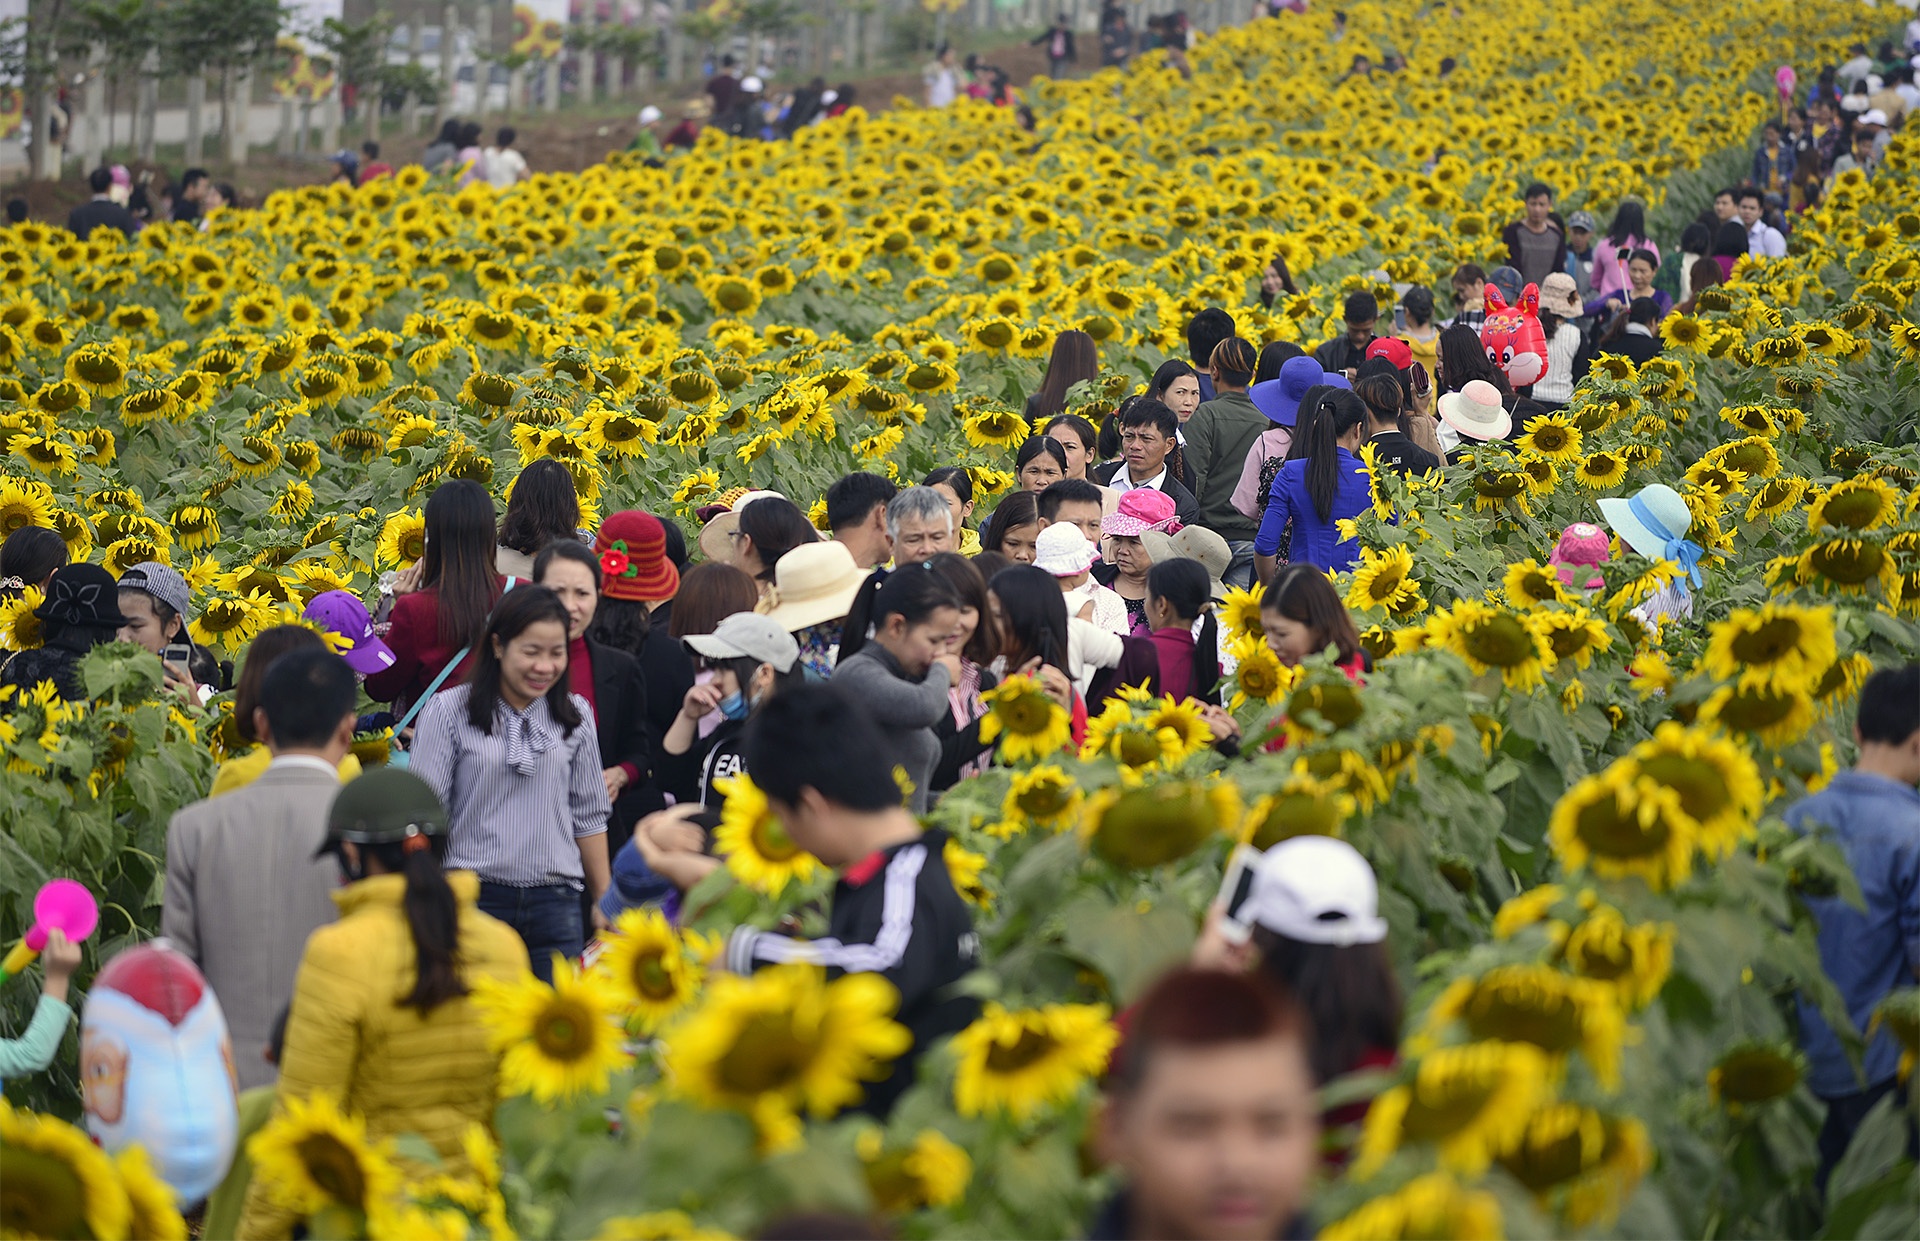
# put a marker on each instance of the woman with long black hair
(383, 1017)
(543, 507)
(1078, 438)
(895, 660)
(435, 626)
(1179, 594)
(1075, 359)
(974, 645)
(516, 759)
(1014, 528)
(1031, 614)
(1326, 485)
(769, 528)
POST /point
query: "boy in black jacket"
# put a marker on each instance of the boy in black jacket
(815, 755)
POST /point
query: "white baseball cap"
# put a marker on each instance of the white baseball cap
(752, 85)
(748, 635)
(1318, 890)
(1873, 116)
(649, 114)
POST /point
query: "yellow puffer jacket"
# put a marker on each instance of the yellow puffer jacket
(349, 1033)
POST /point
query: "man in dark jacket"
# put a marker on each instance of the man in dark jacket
(817, 756)
(1536, 244)
(1343, 354)
(1147, 431)
(1220, 435)
(101, 211)
(1058, 40)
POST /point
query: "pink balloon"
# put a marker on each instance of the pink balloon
(65, 906)
(1785, 78)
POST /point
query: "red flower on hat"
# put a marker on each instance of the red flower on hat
(614, 561)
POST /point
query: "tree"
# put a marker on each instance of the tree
(224, 35)
(125, 29)
(359, 51)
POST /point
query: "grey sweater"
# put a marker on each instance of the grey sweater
(906, 710)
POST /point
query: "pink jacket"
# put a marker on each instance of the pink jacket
(1610, 271)
(1273, 442)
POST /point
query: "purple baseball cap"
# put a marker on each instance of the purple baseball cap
(341, 612)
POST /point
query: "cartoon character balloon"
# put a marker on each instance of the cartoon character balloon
(156, 1067)
(1512, 336)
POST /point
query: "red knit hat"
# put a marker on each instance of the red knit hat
(632, 547)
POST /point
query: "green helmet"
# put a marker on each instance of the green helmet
(382, 807)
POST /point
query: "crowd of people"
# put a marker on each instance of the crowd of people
(568, 706)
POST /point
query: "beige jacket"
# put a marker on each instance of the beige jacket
(243, 893)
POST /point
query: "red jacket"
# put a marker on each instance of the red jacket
(418, 654)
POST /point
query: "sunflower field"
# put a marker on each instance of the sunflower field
(1595, 909)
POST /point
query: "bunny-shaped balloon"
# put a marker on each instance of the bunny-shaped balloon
(1513, 338)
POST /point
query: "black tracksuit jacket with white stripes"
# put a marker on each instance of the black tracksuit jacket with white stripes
(895, 914)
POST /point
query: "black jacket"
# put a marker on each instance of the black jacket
(895, 914)
(668, 672)
(1046, 40)
(58, 661)
(621, 724)
(101, 213)
(690, 776)
(1395, 449)
(1185, 506)
(1339, 354)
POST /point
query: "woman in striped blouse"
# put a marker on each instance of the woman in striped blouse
(515, 758)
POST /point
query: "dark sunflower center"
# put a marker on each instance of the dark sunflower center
(334, 1168)
(1500, 641)
(1856, 509)
(652, 979)
(1042, 800)
(771, 841)
(767, 1055)
(564, 1030)
(1543, 1162)
(1455, 1103)
(1030, 1048)
(1757, 1075)
(1026, 715)
(1296, 814)
(1768, 642)
(1569, 641)
(1611, 832)
(1524, 1013)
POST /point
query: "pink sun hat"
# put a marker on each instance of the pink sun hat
(1582, 545)
(1140, 510)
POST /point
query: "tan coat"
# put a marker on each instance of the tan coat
(243, 893)
(351, 1036)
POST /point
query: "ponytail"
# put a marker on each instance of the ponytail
(1339, 412)
(1184, 586)
(914, 592)
(433, 916)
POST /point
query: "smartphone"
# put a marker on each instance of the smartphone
(1399, 318)
(177, 653)
(1235, 901)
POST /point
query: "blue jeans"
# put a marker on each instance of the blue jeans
(1240, 568)
(547, 920)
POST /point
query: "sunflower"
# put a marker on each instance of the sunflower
(1841, 681)
(1020, 1061)
(758, 851)
(1434, 1205)
(1754, 1073)
(1601, 470)
(995, 428)
(195, 526)
(1472, 1102)
(1775, 497)
(155, 1218)
(47, 454)
(784, 1041)
(1185, 721)
(657, 1226)
(1040, 796)
(1717, 781)
(1537, 1004)
(1634, 959)
(1773, 718)
(1527, 909)
(1321, 703)
(1139, 828)
(928, 1172)
(57, 1182)
(403, 539)
(965, 868)
(19, 627)
(1130, 741)
(1258, 674)
(1239, 612)
(1622, 822)
(1486, 638)
(647, 960)
(1553, 437)
(22, 506)
(1779, 647)
(1864, 503)
(312, 1155)
(1529, 584)
(487, 391)
(99, 368)
(1302, 806)
(1380, 580)
(1574, 635)
(1028, 725)
(231, 622)
(1587, 1162)
(556, 1041)
(1848, 565)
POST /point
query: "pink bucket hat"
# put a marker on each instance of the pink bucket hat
(1582, 545)
(1141, 509)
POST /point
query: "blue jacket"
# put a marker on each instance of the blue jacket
(1315, 541)
(1876, 823)
(1763, 166)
